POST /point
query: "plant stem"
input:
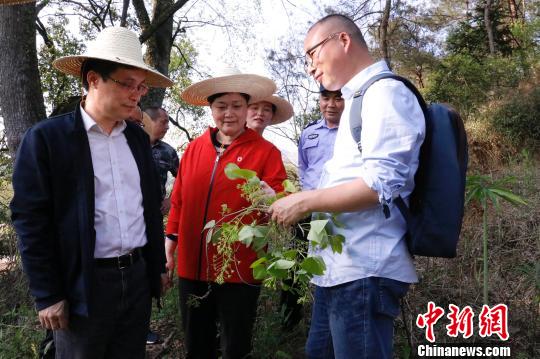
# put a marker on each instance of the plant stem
(485, 240)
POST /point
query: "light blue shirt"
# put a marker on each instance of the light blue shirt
(393, 129)
(316, 146)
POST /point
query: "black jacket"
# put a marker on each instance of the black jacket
(53, 210)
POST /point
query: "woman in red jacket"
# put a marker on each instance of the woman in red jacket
(200, 190)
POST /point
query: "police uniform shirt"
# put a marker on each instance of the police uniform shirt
(316, 146)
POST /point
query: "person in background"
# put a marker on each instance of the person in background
(316, 144)
(357, 297)
(165, 156)
(268, 112)
(200, 191)
(86, 207)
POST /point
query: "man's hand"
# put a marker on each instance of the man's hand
(170, 247)
(291, 209)
(54, 317)
(166, 283)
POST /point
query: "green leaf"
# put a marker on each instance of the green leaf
(314, 237)
(509, 196)
(209, 235)
(258, 243)
(210, 224)
(283, 264)
(253, 180)
(336, 242)
(276, 272)
(259, 272)
(314, 265)
(232, 171)
(318, 225)
(258, 262)
(290, 254)
(288, 186)
(216, 235)
(493, 198)
(246, 235)
(260, 231)
(336, 222)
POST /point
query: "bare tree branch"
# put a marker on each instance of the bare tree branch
(107, 11)
(142, 14)
(177, 124)
(188, 64)
(43, 33)
(164, 16)
(41, 5)
(123, 19)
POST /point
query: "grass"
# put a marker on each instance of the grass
(20, 333)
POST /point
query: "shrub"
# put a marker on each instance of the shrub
(518, 118)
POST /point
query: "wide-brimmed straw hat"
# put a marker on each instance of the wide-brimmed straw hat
(229, 80)
(284, 109)
(115, 44)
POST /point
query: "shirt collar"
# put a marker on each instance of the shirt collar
(362, 77)
(90, 124)
(322, 123)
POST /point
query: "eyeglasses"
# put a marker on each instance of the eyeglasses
(310, 53)
(141, 89)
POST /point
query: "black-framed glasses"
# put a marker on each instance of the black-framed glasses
(141, 89)
(310, 53)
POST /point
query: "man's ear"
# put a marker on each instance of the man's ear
(92, 77)
(345, 40)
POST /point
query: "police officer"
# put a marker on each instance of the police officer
(316, 144)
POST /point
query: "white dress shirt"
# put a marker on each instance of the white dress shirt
(393, 129)
(118, 217)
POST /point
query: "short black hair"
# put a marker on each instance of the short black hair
(103, 67)
(153, 112)
(213, 97)
(348, 24)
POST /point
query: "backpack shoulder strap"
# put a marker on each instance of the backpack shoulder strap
(355, 123)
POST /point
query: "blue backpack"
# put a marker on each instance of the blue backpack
(436, 205)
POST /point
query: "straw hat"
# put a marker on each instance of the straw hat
(229, 80)
(15, 2)
(115, 44)
(284, 109)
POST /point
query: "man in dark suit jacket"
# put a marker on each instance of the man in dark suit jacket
(86, 208)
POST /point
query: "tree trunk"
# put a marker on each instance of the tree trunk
(489, 27)
(383, 30)
(158, 49)
(21, 99)
(513, 10)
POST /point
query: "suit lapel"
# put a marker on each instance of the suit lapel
(85, 185)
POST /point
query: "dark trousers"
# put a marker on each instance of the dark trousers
(120, 306)
(232, 305)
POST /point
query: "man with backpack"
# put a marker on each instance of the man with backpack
(357, 297)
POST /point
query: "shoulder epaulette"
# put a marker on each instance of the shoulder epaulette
(312, 123)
